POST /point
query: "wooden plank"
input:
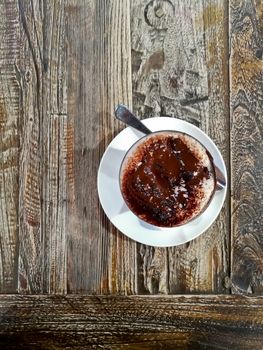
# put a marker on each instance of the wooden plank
(246, 70)
(151, 322)
(9, 145)
(43, 166)
(100, 259)
(180, 69)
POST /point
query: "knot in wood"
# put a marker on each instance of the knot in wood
(157, 14)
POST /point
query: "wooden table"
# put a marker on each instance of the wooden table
(68, 278)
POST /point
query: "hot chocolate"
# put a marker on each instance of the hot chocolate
(167, 179)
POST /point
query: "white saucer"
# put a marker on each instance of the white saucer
(120, 215)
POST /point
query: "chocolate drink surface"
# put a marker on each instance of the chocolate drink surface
(168, 179)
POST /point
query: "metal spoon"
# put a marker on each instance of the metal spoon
(126, 116)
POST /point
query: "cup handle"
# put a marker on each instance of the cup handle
(220, 179)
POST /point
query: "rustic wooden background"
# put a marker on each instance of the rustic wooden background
(63, 67)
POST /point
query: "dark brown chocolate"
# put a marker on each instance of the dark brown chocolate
(162, 180)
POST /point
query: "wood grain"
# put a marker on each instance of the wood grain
(100, 259)
(180, 69)
(9, 145)
(43, 166)
(246, 145)
(93, 322)
(63, 67)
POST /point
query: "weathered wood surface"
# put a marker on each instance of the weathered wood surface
(9, 145)
(87, 322)
(100, 259)
(45, 148)
(246, 69)
(63, 67)
(180, 69)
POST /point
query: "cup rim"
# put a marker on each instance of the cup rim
(141, 140)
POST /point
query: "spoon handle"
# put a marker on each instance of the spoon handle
(125, 115)
(220, 179)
